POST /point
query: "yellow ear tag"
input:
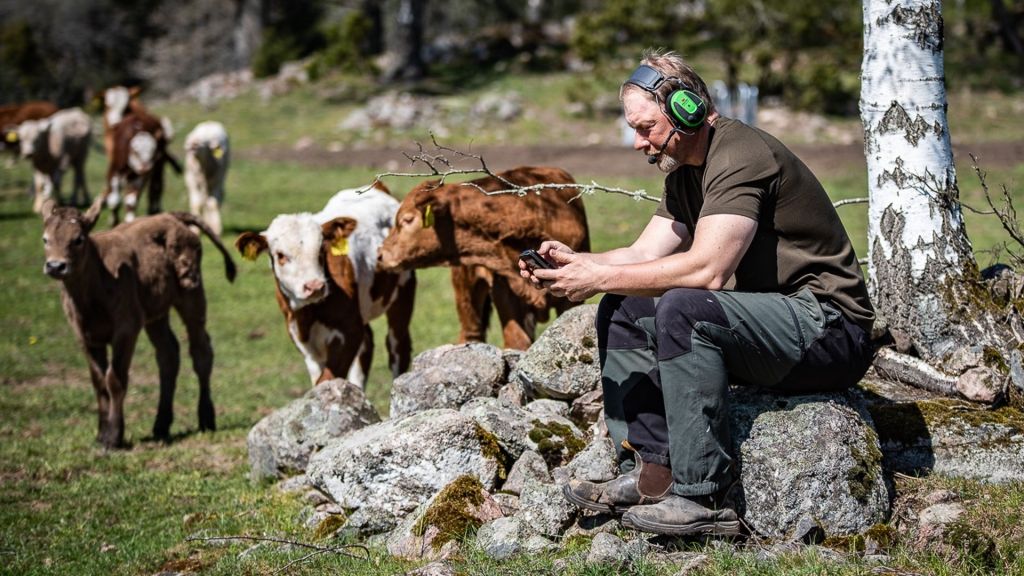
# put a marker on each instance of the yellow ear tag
(218, 152)
(428, 216)
(251, 252)
(12, 137)
(339, 247)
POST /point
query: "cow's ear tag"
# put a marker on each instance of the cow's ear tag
(12, 137)
(428, 216)
(218, 152)
(339, 246)
(251, 252)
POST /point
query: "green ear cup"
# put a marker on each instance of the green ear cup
(686, 107)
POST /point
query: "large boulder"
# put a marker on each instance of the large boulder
(383, 472)
(447, 377)
(807, 461)
(922, 433)
(554, 437)
(563, 362)
(282, 442)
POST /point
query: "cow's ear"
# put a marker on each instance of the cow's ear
(251, 244)
(47, 208)
(93, 213)
(134, 91)
(336, 233)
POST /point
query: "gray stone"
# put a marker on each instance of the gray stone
(509, 503)
(922, 433)
(529, 466)
(419, 538)
(536, 544)
(807, 458)
(981, 384)
(607, 549)
(588, 408)
(548, 407)
(510, 424)
(563, 362)
(283, 441)
(543, 509)
(513, 394)
(385, 471)
(502, 538)
(447, 377)
(945, 513)
(595, 463)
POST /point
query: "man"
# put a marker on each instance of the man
(739, 210)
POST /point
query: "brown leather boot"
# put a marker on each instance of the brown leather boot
(647, 483)
(682, 516)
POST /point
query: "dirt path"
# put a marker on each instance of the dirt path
(603, 161)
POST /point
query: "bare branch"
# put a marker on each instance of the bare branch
(441, 167)
(839, 203)
(1007, 214)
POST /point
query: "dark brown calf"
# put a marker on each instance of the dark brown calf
(459, 226)
(118, 282)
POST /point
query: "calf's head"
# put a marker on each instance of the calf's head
(28, 135)
(66, 238)
(423, 234)
(299, 248)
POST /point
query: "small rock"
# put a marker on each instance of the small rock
(941, 514)
(530, 466)
(548, 407)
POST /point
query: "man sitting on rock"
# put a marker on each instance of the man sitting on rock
(739, 210)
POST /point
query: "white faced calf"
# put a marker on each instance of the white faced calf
(207, 155)
(328, 288)
(53, 145)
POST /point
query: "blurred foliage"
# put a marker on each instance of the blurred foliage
(806, 54)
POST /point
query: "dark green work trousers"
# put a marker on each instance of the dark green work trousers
(666, 364)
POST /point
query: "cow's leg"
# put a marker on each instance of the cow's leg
(133, 188)
(80, 184)
(360, 367)
(168, 360)
(211, 214)
(399, 318)
(112, 196)
(517, 323)
(97, 356)
(156, 187)
(192, 309)
(116, 382)
(471, 286)
(41, 184)
(56, 178)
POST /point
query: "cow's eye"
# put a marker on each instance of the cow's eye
(45, 240)
(78, 241)
(407, 218)
(282, 259)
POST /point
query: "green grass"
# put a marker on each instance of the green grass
(66, 507)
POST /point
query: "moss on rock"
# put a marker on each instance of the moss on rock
(867, 465)
(451, 511)
(555, 442)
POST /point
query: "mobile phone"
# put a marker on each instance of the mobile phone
(534, 260)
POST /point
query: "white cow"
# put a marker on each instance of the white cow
(207, 155)
(53, 145)
(328, 287)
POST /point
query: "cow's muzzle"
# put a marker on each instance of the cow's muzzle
(56, 268)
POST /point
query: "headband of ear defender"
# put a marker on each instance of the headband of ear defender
(683, 106)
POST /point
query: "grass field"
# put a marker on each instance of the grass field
(67, 507)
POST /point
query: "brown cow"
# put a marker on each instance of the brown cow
(457, 225)
(12, 115)
(117, 282)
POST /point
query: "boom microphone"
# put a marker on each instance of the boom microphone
(653, 158)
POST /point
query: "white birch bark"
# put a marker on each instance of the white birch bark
(924, 281)
(916, 236)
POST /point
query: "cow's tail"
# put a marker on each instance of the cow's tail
(191, 220)
(175, 164)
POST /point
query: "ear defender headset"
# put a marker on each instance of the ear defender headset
(684, 108)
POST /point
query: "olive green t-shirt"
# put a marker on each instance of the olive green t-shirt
(800, 241)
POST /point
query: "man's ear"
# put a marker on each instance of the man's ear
(336, 233)
(251, 244)
(93, 213)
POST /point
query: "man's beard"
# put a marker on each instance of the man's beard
(667, 163)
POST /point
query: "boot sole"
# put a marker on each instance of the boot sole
(720, 528)
(590, 505)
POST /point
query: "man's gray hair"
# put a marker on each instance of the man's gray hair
(671, 64)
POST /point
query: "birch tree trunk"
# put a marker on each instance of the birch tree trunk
(924, 280)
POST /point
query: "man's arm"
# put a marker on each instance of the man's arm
(717, 246)
(661, 237)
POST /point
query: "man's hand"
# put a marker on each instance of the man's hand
(545, 250)
(577, 277)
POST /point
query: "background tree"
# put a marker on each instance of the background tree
(924, 281)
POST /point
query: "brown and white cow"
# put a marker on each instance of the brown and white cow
(459, 226)
(207, 157)
(12, 115)
(328, 288)
(118, 282)
(53, 145)
(136, 142)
